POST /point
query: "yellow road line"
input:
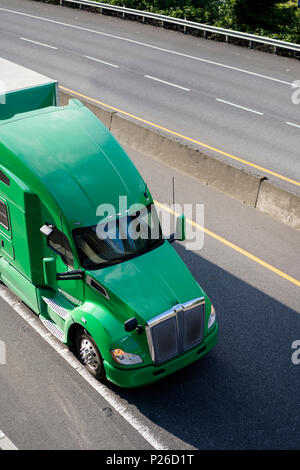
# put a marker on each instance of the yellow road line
(191, 222)
(234, 247)
(189, 139)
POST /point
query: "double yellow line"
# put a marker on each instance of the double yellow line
(189, 221)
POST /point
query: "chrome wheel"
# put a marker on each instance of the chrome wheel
(88, 354)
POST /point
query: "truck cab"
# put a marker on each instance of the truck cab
(127, 306)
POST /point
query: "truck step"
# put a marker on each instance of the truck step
(59, 334)
(56, 307)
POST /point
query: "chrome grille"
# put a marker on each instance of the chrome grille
(193, 324)
(177, 330)
(165, 341)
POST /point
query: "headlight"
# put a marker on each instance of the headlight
(212, 317)
(127, 359)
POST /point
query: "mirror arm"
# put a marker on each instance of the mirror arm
(172, 238)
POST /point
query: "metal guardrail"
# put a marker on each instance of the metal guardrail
(228, 33)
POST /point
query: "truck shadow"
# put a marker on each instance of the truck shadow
(245, 393)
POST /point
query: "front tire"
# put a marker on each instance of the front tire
(89, 355)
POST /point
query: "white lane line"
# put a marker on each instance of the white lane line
(5, 443)
(150, 46)
(101, 61)
(66, 354)
(241, 107)
(292, 124)
(38, 43)
(167, 83)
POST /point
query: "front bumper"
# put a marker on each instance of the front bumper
(129, 378)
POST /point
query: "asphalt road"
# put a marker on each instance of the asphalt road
(243, 395)
(231, 98)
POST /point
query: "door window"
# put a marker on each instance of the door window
(60, 244)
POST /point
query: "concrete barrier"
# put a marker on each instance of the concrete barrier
(279, 203)
(251, 189)
(187, 158)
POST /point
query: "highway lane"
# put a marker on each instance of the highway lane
(45, 404)
(242, 395)
(227, 97)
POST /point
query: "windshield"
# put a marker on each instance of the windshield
(118, 240)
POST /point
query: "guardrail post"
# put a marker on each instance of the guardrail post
(227, 38)
(275, 49)
(123, 14)
(205, 34)
(60, 2)
(143, 19)
(184, 28)
(251, 44)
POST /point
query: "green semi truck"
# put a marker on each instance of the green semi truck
(128, 307)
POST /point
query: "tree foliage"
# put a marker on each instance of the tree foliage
(264, 17)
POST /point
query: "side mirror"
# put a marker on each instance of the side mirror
(47, 230)
(49, 269)
(132, 324)
(180, 230)
(70, 275)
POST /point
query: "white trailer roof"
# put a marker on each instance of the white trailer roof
(15, 77)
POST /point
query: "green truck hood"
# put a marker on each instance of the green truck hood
(151, 283)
